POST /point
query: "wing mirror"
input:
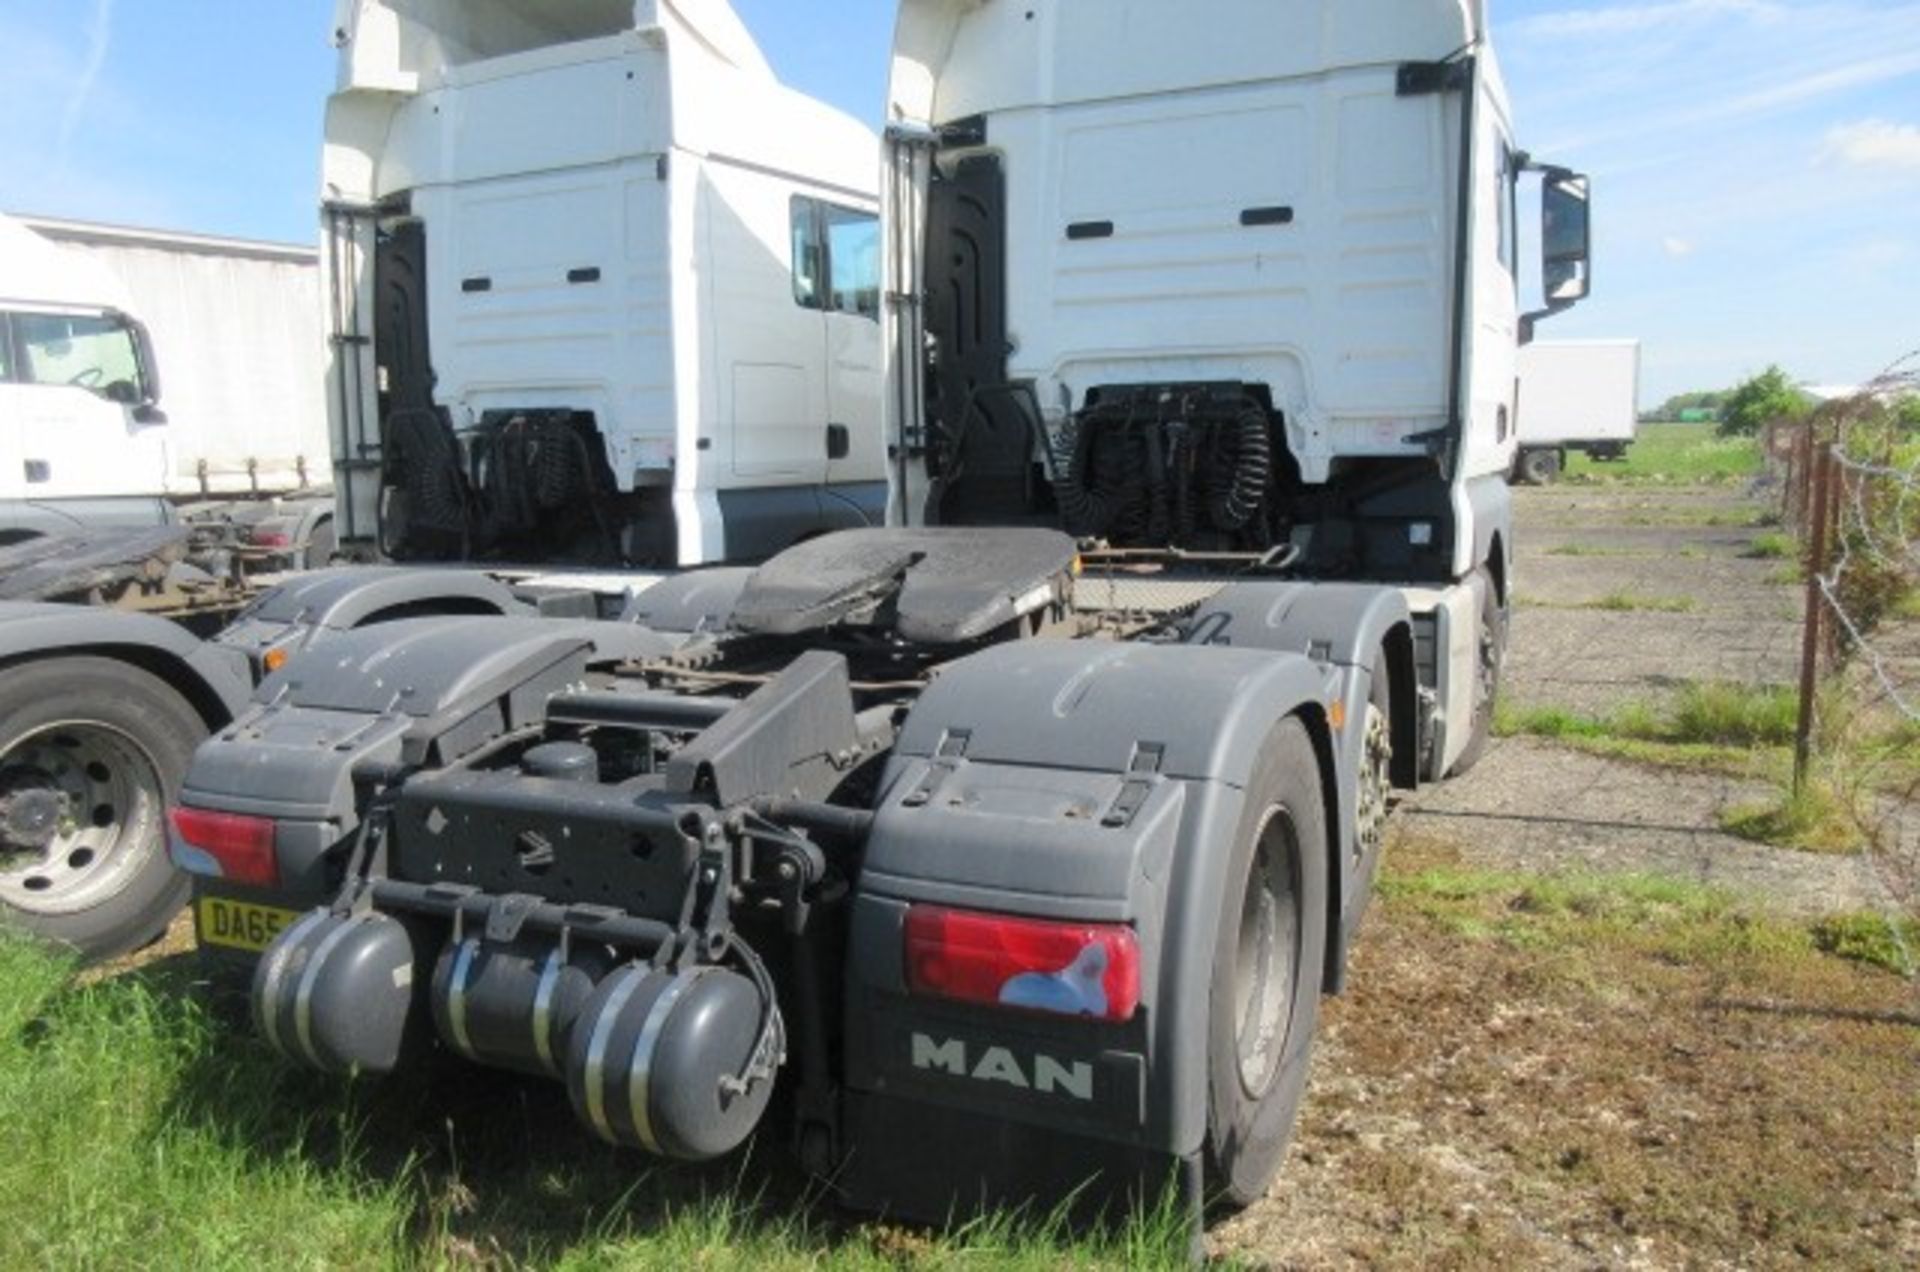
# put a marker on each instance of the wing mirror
(146, 396)
(1566, 242)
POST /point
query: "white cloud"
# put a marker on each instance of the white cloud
(1615, 78)
(1676, 247)
(1627, 19)
(99, 36)
(1874, 143)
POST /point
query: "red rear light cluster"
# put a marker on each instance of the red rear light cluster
(227, 846)
(1070, 969)
(271, 539)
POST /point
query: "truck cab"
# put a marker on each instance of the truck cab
(82, 436)
(1242, 284)
(601, 288)
(1239, 284)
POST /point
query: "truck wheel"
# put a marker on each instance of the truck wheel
(1540, 467)
(1268, 957)
(1375, 778)
(320, 547)
(93, 752)
(1486, 689)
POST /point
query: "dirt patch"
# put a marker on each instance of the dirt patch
(1693, 1093)
(1533, 805)
(1500, 1086)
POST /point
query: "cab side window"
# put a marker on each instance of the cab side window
(6, 351)
(1505, 196)
(853, 258)
(809, 278)
(79, 351)
(836, 258)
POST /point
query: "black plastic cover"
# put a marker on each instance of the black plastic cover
(931, 586)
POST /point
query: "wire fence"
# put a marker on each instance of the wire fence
(1848, 478)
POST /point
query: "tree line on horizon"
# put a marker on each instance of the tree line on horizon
(1748, 407)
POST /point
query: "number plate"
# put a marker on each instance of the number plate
(241, 925)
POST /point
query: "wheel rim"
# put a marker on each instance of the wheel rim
(1375, 781)
(80, 811)
(1489, 664)
(1267, 954)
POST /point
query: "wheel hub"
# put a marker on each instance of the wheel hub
(81, 805)
(30, 815)
(1375, 781)
(1265, 956)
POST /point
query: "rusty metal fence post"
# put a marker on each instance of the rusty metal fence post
(1820, 472)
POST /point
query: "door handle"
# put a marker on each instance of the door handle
(839, 441)
(38, 470)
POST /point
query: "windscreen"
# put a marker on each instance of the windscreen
(96, 353)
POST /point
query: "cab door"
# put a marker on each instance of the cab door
(12, 409)
(79, 387)
(855, 447)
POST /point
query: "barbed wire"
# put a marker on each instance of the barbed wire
(1872, 562)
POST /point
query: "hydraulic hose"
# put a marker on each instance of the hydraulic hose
(1233, 507)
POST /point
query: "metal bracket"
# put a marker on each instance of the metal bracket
(508, 915)
(1418, 79)
(1143, 771)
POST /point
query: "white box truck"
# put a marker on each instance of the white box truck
(97, 323)
(601, 288)
(1575, 395)
(83, 440)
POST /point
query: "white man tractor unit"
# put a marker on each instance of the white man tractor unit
(1003, 851)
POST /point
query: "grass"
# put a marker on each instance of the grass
(1537, 1071)
(1813, 819)
(1870, 939)
(1627, 602)
(138, 1130)
(1747, 731)
(1587, 550)
(1618, 602)
(1673, 455)
(1675, 916)
(1588, 1068)
(1735, 730)
(1702, 714)
(1772, 546)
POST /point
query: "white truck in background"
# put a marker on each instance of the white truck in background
(82, 435)
(150, 378)
(601, 290)
(1575, 395)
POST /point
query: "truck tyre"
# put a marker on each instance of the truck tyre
(1492, 643)
(1264, 1001)
(320, 547)
(1375, 778)
(92, 751)
(1540, 467)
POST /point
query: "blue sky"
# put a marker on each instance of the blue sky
(1757, 162)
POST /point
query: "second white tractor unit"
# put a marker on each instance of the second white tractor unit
(601, 288)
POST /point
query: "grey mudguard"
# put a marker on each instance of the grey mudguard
(431, 667)
(698, 602)
(328, 601)
(1344, 626)
(397, 693)
(215, 680)
(1022, 784)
